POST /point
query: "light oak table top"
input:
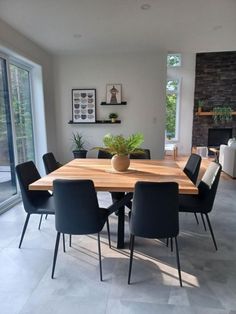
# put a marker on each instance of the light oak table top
(100, 171)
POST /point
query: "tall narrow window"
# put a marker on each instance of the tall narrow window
(22, 115)
(172, 100)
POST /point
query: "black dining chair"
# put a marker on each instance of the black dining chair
(50, 163)
(104, 154)
(35, 202)
(191, 169)
(145, 154)
(204, 201)
(77, 212)
(155, 215)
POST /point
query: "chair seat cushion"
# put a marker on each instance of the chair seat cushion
(190, 203)
(45, 205)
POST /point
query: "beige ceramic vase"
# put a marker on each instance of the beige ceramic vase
(120, 163)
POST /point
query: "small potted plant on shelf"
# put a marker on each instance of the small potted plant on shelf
(120, 147)
(200, 105)
(78, 145)
(113, 116)
(222, 114)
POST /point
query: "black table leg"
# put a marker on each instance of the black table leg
(121, 228)
(118, 198)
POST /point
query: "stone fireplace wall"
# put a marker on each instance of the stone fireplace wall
(215, 84)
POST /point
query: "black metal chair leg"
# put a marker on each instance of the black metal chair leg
(212, 234)
(167, 242)
(171, 244)
(40, 221)
(178, 262)
(70, 240)
(24, 229)
(196, 218)
(108, 233)
(55, 253)
(64, 242)
(46, 217)
(100, 258)
(203, 220)
(131, 256)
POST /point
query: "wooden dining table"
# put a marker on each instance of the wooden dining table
(106, 179)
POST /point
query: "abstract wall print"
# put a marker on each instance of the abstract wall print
(84, 105)
(113, 94)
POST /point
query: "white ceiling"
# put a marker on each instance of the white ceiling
(108, 26)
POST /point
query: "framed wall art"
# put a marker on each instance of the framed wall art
(113, 94)
(84, 105)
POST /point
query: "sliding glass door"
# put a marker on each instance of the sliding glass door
(7, 164)
(16, 127)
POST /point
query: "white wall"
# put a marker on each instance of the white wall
(143, 87)
(15, 44)
(186, 73)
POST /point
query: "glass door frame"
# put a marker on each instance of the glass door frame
(14, 199)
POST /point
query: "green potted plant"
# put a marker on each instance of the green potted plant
(120, 147)
(113, 116)
(78, 146)
(222, 114)
(200, 105)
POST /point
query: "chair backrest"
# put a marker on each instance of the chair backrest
(207, 187)
(144, 155)
(192, 167)
(50, 163)
(27, 173)
(104, 154)
(155, 210)
(76, 207)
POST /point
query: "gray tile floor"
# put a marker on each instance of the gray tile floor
(209, 277)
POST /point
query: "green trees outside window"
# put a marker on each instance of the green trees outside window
(172, 88)
(22, 116)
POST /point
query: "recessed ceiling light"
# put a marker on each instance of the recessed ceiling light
(77, 35)
(145, 6)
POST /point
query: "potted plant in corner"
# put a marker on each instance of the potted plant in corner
(113, 116)
(120, 147)
(78, 145)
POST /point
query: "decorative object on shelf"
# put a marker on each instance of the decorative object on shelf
(103, 103)
(84, 105)
(113, 116)
(222, 114)
(113, 94)
(96, 122)
(78, 145)
(120, 147)
(200, 105)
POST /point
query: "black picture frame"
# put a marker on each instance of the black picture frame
(84, 105)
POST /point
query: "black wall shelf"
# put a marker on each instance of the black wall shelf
(97, 122)
(108, 104)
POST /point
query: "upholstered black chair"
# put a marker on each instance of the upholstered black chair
(203, 202)
(77, 212)
(35, 202)
(191, 169)
(146, 154)
(50, 163)
(104, 154)
(155, 214)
